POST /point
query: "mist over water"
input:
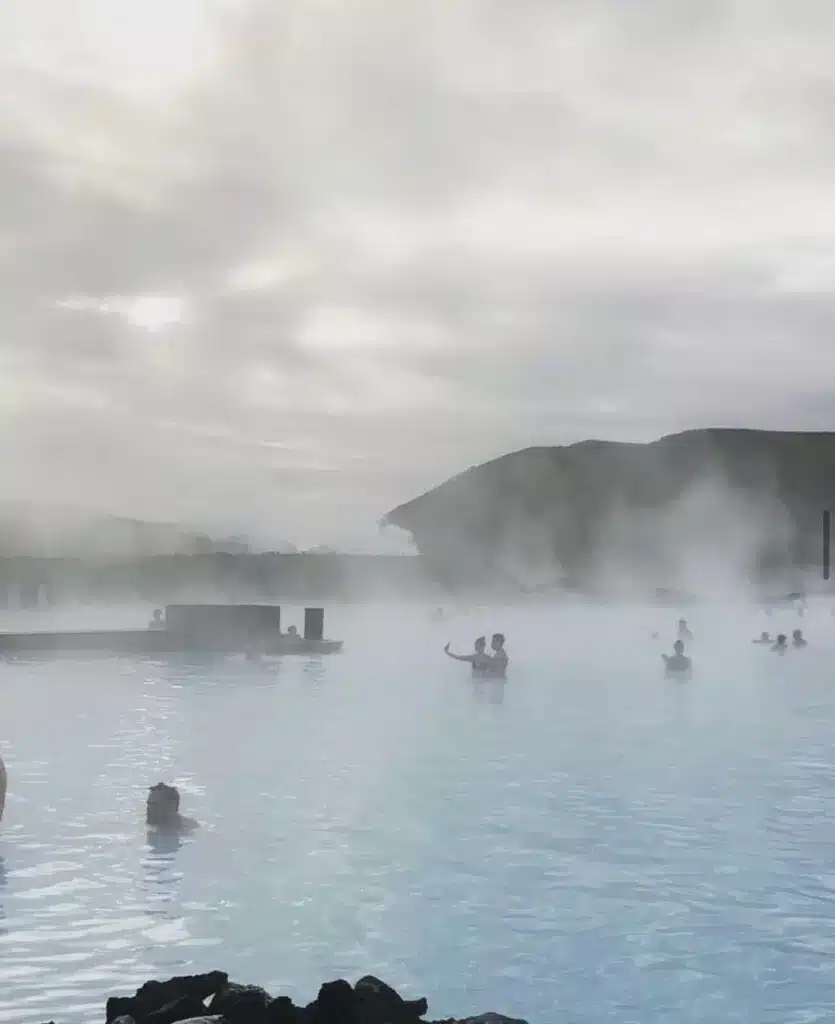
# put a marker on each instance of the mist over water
(589, 840)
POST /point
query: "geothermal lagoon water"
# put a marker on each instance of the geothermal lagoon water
(588, 843)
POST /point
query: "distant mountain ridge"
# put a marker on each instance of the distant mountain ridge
(58, 532)
(739, 502)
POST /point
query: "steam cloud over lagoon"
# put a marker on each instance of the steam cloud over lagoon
(277, 268)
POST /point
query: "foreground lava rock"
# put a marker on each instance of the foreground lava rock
(213, 999)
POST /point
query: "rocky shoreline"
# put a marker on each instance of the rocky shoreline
(214, 999)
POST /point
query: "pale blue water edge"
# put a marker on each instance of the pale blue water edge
(591, 844)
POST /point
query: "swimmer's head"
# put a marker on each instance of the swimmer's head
(292, 631)
(158, 615)
(797, 634)
(497, 642)
(678, 647)
(765, 636)
(163, 804)
(480, 644)
(781, 639)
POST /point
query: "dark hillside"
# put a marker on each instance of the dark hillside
(744, 501)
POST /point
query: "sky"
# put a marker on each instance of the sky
(275, 268)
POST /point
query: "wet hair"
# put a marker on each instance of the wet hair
(163, 803)
(498, 638)
(678, 647)
(797, 634)
(781, 638)
(480, 641)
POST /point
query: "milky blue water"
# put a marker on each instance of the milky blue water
(588, 843)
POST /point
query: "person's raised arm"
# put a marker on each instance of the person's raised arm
(457, 657)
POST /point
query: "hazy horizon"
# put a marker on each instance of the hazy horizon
(272, 270)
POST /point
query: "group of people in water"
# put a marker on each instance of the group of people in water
(679, 665)
(780, 643)
(162, 809)
(483, 664)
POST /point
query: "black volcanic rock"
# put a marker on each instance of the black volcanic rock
(155, 996)
(336, 1004)
(241, 1004)
(281, 1010)
(378, 1003)
(187, 1007)
(181, 1000)
(556, 515)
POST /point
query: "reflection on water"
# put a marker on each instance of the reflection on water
(163, 844)
(584, 835)
(315, 670)
(160, 876)
(488, 691)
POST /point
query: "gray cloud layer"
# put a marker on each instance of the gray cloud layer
(402, 237)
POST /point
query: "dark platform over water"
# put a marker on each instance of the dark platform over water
(189, 629)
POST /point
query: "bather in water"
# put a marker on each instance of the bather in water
(480, 660)
(765, 638)
(798, 639)
(162, 811)
(499, 659)
(684, 633)
(678, 665)
(780, 644)
(157, 622)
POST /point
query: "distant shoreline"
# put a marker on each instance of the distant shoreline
(30, 582)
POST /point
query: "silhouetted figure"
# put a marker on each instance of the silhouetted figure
(780, 644)
(678, 665)
(499, 659)
(765, 638)
(798, 639)
(158, 621)
(684, 633)
(480, 660)
(3, 782)
(162, 810)
(293, 632)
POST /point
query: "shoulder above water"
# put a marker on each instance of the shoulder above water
(179, 827)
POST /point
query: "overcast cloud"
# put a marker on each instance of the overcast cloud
(278, 267)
